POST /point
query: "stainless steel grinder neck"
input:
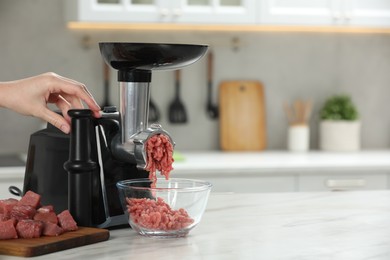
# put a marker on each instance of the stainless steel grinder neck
(134, 96)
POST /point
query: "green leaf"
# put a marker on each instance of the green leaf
(339, 107)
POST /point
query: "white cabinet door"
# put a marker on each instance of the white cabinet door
(368, 13)
(326, 12)
(215, 11)
(299, 12)
(117, 10)
(245, 183)
(163, 11)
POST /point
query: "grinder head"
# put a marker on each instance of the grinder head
(150, 56)
(135, 62)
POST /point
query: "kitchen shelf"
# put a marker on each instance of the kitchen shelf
(113, 26)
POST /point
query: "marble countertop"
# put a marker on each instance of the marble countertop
(279, 161)
(313, 225)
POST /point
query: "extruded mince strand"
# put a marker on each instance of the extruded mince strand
(159, 151)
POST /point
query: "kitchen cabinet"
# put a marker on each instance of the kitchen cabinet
(326, 12)
(163, 11)
(294, 181)
(247, 183)
(334, 13)
(279, 171)
(369, 13)
(343, 181)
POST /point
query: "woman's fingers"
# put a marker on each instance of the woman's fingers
(56, 120)
(73, 101)
(74, 93)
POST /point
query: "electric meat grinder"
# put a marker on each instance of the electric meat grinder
(100, 152)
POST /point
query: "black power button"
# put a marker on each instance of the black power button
(110, 109)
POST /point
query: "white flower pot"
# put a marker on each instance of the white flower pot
(340, 135)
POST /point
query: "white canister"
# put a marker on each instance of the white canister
(298, 138)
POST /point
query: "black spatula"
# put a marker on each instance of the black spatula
(212, 110)
(177, 111)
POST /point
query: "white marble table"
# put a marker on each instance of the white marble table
(328, 225)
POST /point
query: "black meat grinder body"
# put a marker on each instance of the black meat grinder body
(79, 172)
(45, 173)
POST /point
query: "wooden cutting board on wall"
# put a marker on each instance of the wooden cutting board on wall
(242, 116)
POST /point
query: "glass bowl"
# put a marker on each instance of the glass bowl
(171, 209)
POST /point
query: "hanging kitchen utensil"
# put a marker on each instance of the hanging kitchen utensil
(154, 112)
(212, 110)
(106, 78)
(177, 111)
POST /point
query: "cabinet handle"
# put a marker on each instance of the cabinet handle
(348, 16)
(164, 12)
(177, 12)
(336, 16)
(349, 183)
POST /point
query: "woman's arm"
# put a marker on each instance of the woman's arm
(30, 96)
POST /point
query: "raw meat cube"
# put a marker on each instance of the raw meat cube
(6, 207)
(28, 228)
(45, 209)
(6, 204)
(66, 221)
(51, 229)
(20, 212)
(31, 199)
(7, 230)
(46, 217)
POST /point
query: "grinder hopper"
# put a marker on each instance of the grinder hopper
(150, 56)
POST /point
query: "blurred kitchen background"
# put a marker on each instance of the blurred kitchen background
(34, 39)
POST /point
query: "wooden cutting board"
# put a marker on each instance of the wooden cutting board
(242, 116)
(44, 245)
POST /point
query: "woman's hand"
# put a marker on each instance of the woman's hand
(30, 96)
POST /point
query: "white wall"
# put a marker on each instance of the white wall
(34, 39)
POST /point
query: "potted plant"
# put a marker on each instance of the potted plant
(339, 125)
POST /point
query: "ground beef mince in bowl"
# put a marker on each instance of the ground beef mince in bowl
(156, 214)
(170, 209)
